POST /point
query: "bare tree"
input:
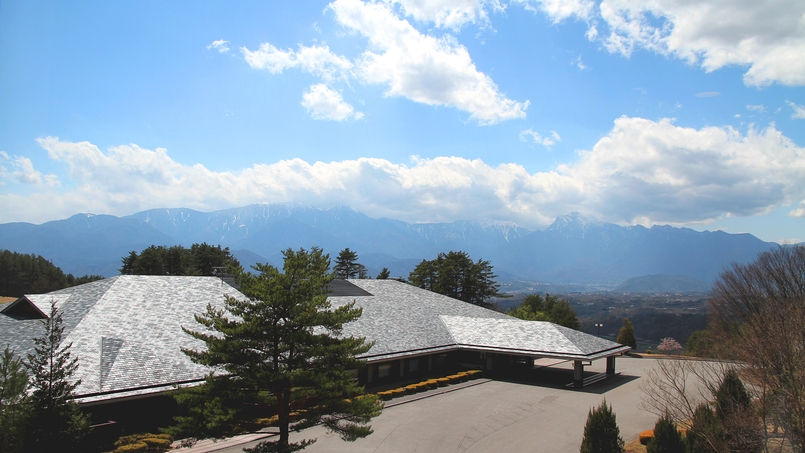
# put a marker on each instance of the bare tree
(758, 317)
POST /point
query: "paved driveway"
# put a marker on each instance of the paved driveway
(500, 417)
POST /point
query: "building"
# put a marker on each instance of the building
(126, 333)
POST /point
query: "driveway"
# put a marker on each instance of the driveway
(500, 416)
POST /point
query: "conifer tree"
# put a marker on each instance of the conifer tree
(56, 422)
(384, 274)
(601, 433)
(347, 265)
(281, 349)
(626, 334)
(705, 434)
(742, 427)
(666, 438)
(13, 404)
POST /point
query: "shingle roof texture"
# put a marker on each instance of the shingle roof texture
(126, 331)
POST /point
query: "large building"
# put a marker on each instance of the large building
(126, 333)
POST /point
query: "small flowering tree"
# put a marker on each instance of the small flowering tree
(669, 345)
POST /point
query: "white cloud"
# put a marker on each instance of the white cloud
(317, 60)
(422, 68)
(23, 171)
(324, 103)
(559, 10)
(449, 13)
(756, 108)
(537, 138)
(799, 110)
(579, 64)
(642, 171)
(220, 45)
(708, 94)
(667, 173)
(765, 36)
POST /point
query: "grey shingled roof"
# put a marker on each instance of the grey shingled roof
(126, 330)
(404, 320)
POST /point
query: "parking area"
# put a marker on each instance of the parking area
(535, 413)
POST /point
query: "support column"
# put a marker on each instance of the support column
(578, 374)
(369, 374)
(611, 365)
(488, 361)
(430, 363)
(402, 367)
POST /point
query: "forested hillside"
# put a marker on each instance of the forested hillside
(33, 274)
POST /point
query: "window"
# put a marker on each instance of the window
(383, 371)
(413, 365)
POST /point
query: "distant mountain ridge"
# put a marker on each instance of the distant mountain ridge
(574, 249)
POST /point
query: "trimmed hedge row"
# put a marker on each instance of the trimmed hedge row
(430, 384)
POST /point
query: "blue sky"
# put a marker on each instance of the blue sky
(659, 112)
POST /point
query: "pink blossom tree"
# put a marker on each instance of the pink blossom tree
(669, 345)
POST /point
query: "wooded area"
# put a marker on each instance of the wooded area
(22, 274)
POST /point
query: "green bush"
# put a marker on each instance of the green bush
(666, 438)
(601, 433)
(139, 447)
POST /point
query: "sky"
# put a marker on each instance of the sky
(633, 112)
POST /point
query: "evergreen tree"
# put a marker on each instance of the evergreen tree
(55, 423)
(742, 428)
(552, 309)
(199, 259)
(601, 433)
(699, 344)
(561, 312)
(666, 438)
(384, 274)
(705, 434)
(282, 348)
(454, 274)
(347, 266)
(13, 404)
(626, 334)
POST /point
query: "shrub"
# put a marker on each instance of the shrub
(139, 447)
(442, 382)
(666, 438)
(411, 389)
(601, 433)
(626, 334)
(397, 392)
(646, 436)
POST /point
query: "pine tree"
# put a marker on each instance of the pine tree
(384, 274)
(455, 275)
(347, 266)
(13, 404)
(601, 433)
(626, 334)
(666, 438)
(56, 423)
(282, 348)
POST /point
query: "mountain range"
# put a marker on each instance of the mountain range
(574, 250)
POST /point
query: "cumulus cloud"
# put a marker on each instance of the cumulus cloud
(642, 171)
(537, 138)
(317, 60)
(22, 171)
(799, 110)
(324, 103)
(767, 37)
(220, 45)
(420, 67)
(756, 108)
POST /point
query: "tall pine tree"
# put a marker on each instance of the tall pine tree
(282, 350)
(55, 423)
